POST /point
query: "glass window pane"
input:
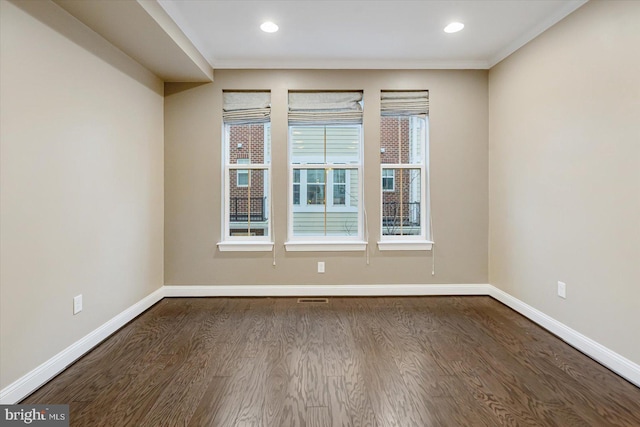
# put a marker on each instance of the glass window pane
(325, 144)
(388, 179)
(242, 175)
(243, 178)
(394, 134)
(339, 187)
(417, 139)
(251, 142)
(296, 194)
(341, 223)
(248, 206)
(315, 194)
(343, 144)
(339, 217)
(315, 176)
(325, 198)
(307, 144)
(315, 186)
(352, 187)
(296, 186)
(401, 208)
(402, 139)
(339, 194)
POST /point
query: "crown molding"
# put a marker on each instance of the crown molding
(568, 8)
(349, 64)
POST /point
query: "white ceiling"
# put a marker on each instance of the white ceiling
(363, 34)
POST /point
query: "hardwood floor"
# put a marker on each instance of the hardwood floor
(420, 361)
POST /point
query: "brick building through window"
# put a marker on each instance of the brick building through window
(401, 143)
(248, 213)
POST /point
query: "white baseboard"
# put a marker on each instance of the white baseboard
(324, 290)
(30, 382)
(612, 360)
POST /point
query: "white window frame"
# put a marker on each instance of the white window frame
(325, 243)
(423, 240)
(244, 243)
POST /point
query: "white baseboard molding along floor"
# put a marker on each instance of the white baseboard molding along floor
(39, 376)
(30, 382)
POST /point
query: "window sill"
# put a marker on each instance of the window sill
(405, 245)
(245, 246)
(325, 246)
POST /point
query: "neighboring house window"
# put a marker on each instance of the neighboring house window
(388, 179)
(247, 171)
(325, 164)
(296, 187)
(339, 187)
(315, 186)
(404, 167)
(242, 175)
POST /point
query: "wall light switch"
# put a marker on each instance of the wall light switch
(562, 289)
(320, 266)
(77, 304)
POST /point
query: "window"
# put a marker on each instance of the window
(242, 175)
(403, 158)
(325, 165)
(247, 171)
(339, 187)
(388, 179)
(315, 187)
(296, 187)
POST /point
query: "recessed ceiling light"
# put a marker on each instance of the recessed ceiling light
(454, 27)
(269, 27)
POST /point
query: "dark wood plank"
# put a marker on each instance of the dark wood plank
(423, 361)
(210, 402)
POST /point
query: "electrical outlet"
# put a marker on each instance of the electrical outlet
(562, 289)
(320, 266)
(77, 304)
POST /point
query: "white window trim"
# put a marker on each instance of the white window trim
(230, 243)
(405, 245)
(423, 241)
(245, 246)
(324, 243)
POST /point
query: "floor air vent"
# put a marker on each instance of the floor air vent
(313, 300)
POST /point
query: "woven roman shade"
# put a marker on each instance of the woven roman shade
(322, 108)
(409, 103)
(246, 107)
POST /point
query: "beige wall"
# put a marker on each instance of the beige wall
(458, 138)
(564, 155)
(82, 183)
(81, 170)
